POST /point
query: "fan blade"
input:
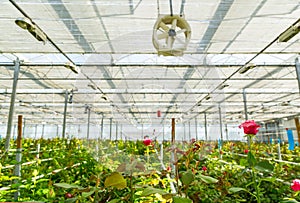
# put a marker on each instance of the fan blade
(170, 41)
(174, 24)
(162, 36)
(179, 40)
(164, 26)
(180, 31)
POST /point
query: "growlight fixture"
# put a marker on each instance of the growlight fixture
(289, 33)
(27, 24)
(246, 67)
(72, 67)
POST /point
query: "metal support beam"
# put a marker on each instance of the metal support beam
(88, 124)
(245, 104)
(12, 103)
(117, 131)
(205, 126)
(110, 128)
(297, 66)
(246, 112)
(102, 126)
(221, 124)
(196, 128)
(65, 114)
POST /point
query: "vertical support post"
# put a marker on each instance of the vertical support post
(102, 124)
(38, 151)
(246, 112)
(65, 114)
(43, 128)
(184, 132)
(173, 144)
(116, 130)
(279, 150)
(110, 128)
(205, 125)
(245, 104)
(17, 171)
(35, 131)
(189, 130)
(196, 128)
(221, 124)
(12, 103)
(88, 123)
(163, 132)
(142, 131)
(173, 130)
(57, 130)
(24, 124)
(121, 137)
(226, 131)
(297, 127)
(297, 66)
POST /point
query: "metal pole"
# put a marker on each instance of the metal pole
(246, 112)
(43, 131)
(116, 131)
(35, 132)
(65, 114)
(24, 123)
(220, 119)
(205, 126)
(245, 104)
(57, 130)
(12, 103)
(17, 171)
(142, 131)
(88, 124)
(184, 132)
(196, 127)
(102, 126)
(297, 66)
(189, 130)
(110, 128)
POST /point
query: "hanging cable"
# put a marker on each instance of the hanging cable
(158, 11)
(171, 8)
(182, 8)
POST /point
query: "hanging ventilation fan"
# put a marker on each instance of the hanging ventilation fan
(171, 35)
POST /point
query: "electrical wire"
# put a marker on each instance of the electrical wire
(182, 8)
(171, 8)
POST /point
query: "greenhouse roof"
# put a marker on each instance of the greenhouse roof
(122, 77)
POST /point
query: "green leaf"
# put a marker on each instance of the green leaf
(67, 186)
(150, 190)
(207, 179)
(289, 200)
(264, 166)
(251, 159)
(236, 189)
(115, 180)
(243, 162)
(87, 194)
(114, 201)
(269, 179)
(187, 177)
(71, 200)
(181, 200)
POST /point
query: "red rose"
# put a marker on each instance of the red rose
(246, 151)
(147, 142)
(250, 127)
(204, 168)
(296, 185)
